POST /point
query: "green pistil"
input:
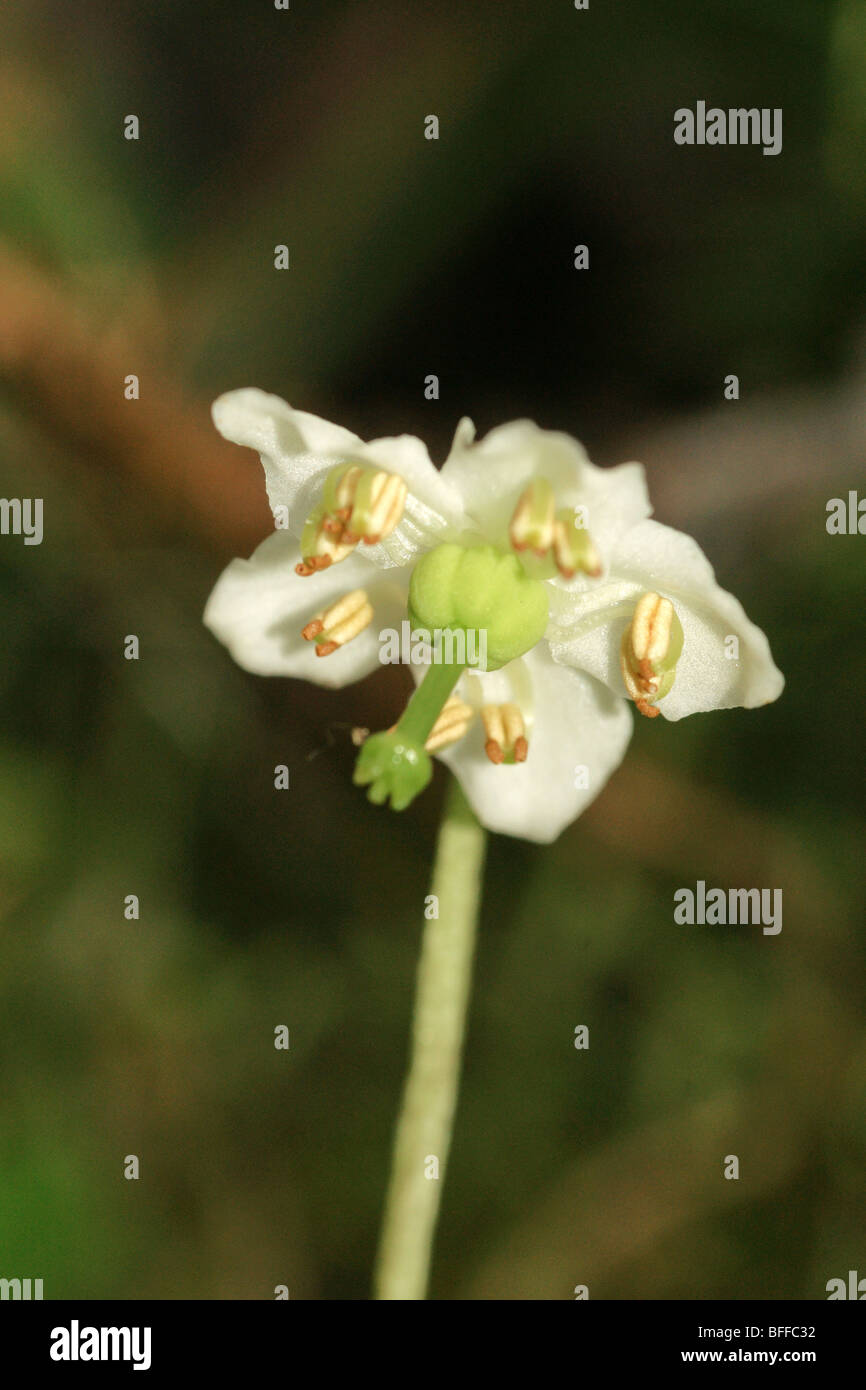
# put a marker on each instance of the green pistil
(396, 764)
(469, 589)
(426, 704)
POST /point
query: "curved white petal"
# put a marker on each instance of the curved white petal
(299, 450)
(259, 606)
(490, 475)
(713, 672)
(578, 733)
(296, 449)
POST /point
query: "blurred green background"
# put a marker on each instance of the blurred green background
(411, 257)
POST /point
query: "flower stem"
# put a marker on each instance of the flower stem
(430, 1093)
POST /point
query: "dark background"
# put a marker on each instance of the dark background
(411, 257)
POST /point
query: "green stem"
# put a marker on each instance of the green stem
(430, 1094)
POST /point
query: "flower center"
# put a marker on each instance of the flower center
(481, 591)
(485, 593)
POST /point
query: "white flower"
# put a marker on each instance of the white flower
(586, 601)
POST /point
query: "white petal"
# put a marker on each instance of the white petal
(577, 732)
(296, 449)
(259, 606)
(491, 474)
(586, 632)
(299, 450)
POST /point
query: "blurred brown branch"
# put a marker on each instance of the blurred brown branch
(68, 374)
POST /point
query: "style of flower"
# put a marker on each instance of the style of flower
(584, 603)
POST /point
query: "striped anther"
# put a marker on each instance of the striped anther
(573, 549)
(651, 647)
(452, 724)
(338, 624)
(533, 519)
(506, 734)
(552, 535)
(357, 504)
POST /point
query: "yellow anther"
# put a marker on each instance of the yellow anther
(651, 628)
(328, 549)
(347, 486)
(453, 721)
(533, 520)
(651, 647)
(506, 734)
(387, 499)
(573, 549)
(338, 624)
(358, 504)
(553, 536)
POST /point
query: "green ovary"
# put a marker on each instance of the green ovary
(482, 589)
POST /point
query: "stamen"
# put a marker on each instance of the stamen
(452, 724)
(512, 720)
(310, 566)
(357, 504)
(651, 630)
(506, 734)
(552, 535)
(532, 522)
(338, 624)
(389, 496)
(651, 711)
(573, 548)
(651, 647)
(346, 486)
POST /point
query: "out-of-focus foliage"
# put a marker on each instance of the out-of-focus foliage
(155, 777)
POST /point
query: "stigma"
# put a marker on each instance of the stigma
(552, 535)
(357, 504)
(651, 647)
(337, 625)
